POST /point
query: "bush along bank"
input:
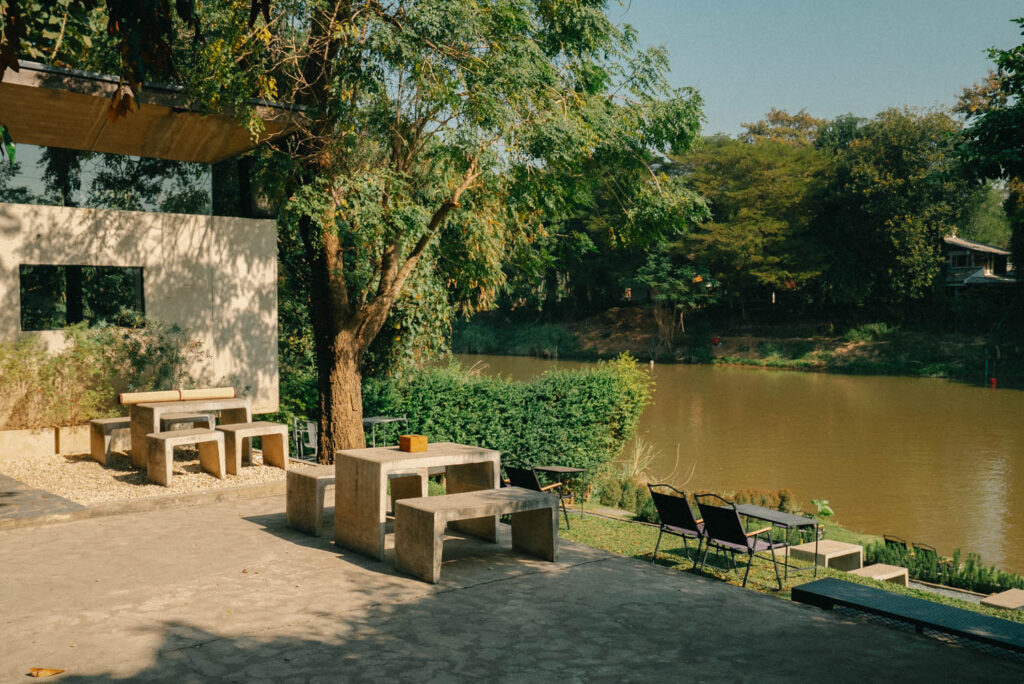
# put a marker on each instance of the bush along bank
(962, 573)
(578, 418)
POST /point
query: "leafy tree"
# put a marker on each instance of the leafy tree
(994, 139)
(894, 192)
(433, 134)
(800, 129)
(678, 288)
(760, 197)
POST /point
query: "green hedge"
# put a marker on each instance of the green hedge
(575, 418)
(964, 573)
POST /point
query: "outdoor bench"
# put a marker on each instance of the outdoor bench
(275, 443)
(169, 420)
(100, 430)
(420, 523)
(921, 614)
(160, 452)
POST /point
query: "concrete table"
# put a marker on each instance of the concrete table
(1011, 599)
(360, 492)
(831, 554)
(145, 418)
(884, 573)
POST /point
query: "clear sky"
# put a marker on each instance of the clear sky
(828, 56)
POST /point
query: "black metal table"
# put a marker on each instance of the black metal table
(374, 421)
(562, 473)
(787, 521)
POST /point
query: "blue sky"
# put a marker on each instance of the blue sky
(828, 56)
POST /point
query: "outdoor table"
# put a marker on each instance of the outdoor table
(787, 521)
(562, 473)
(361, 483)
(145, 418)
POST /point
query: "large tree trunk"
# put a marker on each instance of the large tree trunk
(341, 398)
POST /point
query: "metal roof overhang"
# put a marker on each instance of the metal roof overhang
(53, 107)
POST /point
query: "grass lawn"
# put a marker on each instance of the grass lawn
(636, 540)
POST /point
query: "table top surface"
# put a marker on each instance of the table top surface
(208, 404)
(777, 517)
(559, 469)
(828, 546)
(441, 452)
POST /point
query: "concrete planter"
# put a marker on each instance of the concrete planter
(72, 439)
(32, 442)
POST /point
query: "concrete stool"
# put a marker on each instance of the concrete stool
(830, 554)
(239, 435)
(304, 497)
(160, 452)
(420, 524)
(884, 573)
(169, 420)
(1011, 599)
(100, 430)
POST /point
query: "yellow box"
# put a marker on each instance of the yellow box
(412, 443)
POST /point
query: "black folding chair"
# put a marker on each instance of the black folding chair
(527, 479)
(676, 518)
(723, 529)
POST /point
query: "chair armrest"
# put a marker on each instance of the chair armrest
(699, 520)
(549, 487)
(756, 532)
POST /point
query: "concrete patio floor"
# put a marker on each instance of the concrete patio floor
(226, 592)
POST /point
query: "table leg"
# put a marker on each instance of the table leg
(359, 506)
(144, 420)
(235, 416)
(470, 477)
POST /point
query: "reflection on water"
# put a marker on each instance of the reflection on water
(928, 460)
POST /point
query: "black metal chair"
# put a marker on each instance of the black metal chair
(676, 518)
(723, 529)
(527, 479)
(894, 542)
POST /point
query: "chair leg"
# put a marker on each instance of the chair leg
(697, 554)
(704, 560)
(565, 513)
(656, 545)
(750, 560)
(775, 563)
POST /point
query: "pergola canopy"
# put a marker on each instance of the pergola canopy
(54, 107)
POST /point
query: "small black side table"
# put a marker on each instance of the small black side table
(562, 473)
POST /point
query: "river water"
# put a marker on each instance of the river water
(928, 460)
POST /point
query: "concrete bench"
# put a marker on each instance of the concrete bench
(304, 497)
(420, 523)
(884, 573)
(830, 554)
(169, 420)
(100, 435)
(238, 436)
(160, 452)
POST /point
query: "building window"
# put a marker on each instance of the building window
(960, 260)
(54, 297)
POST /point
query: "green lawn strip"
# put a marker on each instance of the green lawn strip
(636, 540)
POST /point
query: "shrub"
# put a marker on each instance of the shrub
(870, 332)
(577, 418)
(964, 573)
(82, 379)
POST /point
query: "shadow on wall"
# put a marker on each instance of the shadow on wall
(216, 277)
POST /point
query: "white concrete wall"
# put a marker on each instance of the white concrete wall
(214, 276)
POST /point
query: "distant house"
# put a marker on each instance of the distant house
(970, 264)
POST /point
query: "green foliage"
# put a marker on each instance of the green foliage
(479, 336)
(961, 572)
(571, 418)
(870, 332)
(822, 507)
(82, 380)
(987, 221)
(894, 191)
(622, 483)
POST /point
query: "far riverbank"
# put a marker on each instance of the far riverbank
(872, 349)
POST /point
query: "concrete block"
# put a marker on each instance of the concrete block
(830, 554)
(160, 452)
(420, 525)
(238, 442)
(72, 439)
(1011, 599)
(304, 498)
(31, 442)
(884, 573)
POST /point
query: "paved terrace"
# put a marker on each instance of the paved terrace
(226, 592)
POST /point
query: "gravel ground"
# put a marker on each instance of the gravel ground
(84, 481)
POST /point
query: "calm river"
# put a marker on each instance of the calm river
(928, 460)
